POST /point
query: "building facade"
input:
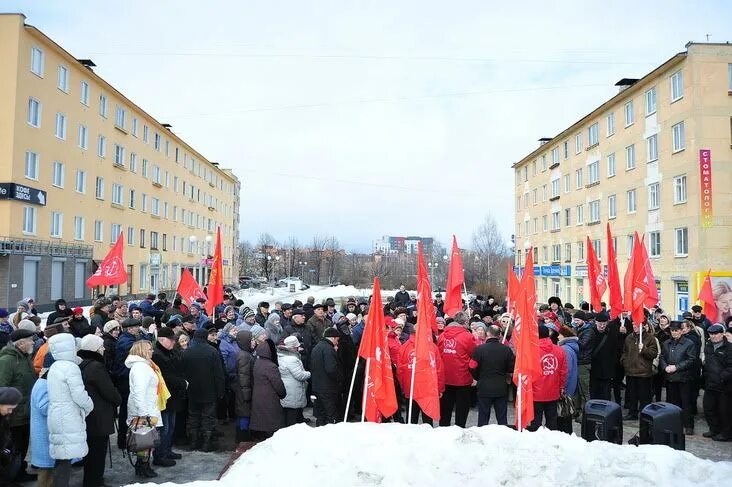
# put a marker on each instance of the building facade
(654, 159)
(81, 165)
(397, 245)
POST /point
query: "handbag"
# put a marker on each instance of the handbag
(142, 436)
(566, 408)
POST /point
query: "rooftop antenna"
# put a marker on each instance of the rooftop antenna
(708, 37)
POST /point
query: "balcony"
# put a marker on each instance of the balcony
(24, 246)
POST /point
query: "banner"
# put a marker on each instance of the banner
(705, 193)
(112, 269)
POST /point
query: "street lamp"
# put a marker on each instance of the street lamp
(302, 270)
(277, 263)
(432, 266)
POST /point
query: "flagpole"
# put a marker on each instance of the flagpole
(518, 399)
(350, 391)
(365, 390)
(411, 386)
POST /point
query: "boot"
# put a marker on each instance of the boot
(139, 468)
(194, 441)
(148, 471)
(208, 442)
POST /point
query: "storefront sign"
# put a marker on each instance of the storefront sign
(547, 270)
(705, 180)
(13, 191)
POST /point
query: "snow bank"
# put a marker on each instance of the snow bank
(339, 293)
(367, 454)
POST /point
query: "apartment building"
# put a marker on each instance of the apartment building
(81, 165)
(655, 159)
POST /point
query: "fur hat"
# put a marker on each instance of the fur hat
(91, 343)
(110, 325)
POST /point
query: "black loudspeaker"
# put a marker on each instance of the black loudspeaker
(661, 424)
(602, 420)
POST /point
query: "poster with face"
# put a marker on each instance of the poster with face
(722, 290)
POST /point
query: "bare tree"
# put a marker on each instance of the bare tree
(487, 261)
(316, 256)
(266, 246)
(246, 258)
(332, 258)
(293, 252)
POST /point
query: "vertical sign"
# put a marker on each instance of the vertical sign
(705, 180)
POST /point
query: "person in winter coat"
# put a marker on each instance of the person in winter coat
(604, 357)
(663, 334)
(637, 360)
(327, 379)
(274, 328)
(299, 329)
(678, 356)
(262, 313)
(6, 328)
(404, 363)
(104, 396)
(295, 378)
(401, 298)
(40, 448)
(60, 310)
(319, 322)
(228, 350)
(120, 373)
(110, 335)
(587, 335)
(16, 370)
(143, 408)
(456, 345)
(10, 457)
(68, 406)
(100, 313)
(492, 365)
(79, 326)
(553, 376)
(555, 305)
(569, 343)
(267, 391)
(718, 385)
(149, 309)
(243, 384)
(203, 369)
(699, 318)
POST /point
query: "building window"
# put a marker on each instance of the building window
(654, 196)
(144, 203)
(156, 141)
(578, 143)
(34, 112)
(526, 173)
(57, 223)
(593, 134)
(556, 220)
(116, 232)
(117, 194)
(78, 228)
(679, 143)
(729, 77)
(63, 78)
(581, 215)
(134, 127)
(31, 165)
(58, 174)
(594, 211)
(153, 240)
(165, 210)
(555, 156)
(652, 148)
(156, 175)
(567, 217)
(103, 105)
(84, 93)
(37, 61)
(120, 118)
(682, 242)
(680, 189)
(567, 183)
(556, 187)
(142, 238)
(612, 206)
(155, 207)
(165, 242)
(133, 162)
(611, 165)
(144, 168)
(654, 244)
(83, 137)
(545, 223)
(580, 251)
(565, 146)
(99, 188)
(544, 195)
(594, 169)
(568, 252)
(545, 255)
(98, 230)
(167, 148)
(535, 192)
(651, 101)
(29, 220)
(632, 201)
(677, 86)
(80, 181)
(579, 179)
(630, 157)
(629, 114)
(119, 155)
(132, 199)
(610, 124)
(102, 146)
(61, 126)
(146, 134)
(556, 252)
(130, 236)
(143, 276)
(543, 163)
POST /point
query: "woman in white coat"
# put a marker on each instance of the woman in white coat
(295, 378)
(68, 406)
(143, 400)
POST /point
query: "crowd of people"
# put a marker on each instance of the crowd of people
(169, 370)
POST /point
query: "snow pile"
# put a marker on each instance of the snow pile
(339, 293)
(368, 454)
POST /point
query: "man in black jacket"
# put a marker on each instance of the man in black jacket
(604, 356)
(401, 298)
(678, 356)
(168, 360)
(61, 310)
(718, 385)
(202, 369)
(588, 339)
(327, 377)
(493, 369)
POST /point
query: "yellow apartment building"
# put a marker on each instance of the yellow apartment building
(655, 159)
(81, 164)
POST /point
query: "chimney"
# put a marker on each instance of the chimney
(625, 83)
(88, 63)
(544, 140)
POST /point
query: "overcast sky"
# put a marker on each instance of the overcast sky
(370, 118)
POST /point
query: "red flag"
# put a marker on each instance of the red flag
(112, 269)
(526, 340)
(216, 278)
(706, 296)
(637, 288)
(426, 386)
(613, 278)
(513, 288)
(595, 277)
(455, 279)
(650, 279)
(188, 288)
(380, 393)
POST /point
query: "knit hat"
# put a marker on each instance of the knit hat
(4, 313)
(23, 304)
(603, 317)
(91, 343)
(227, 328)
(110, 325)
(580, 315)
(331, 333)
(166, 332)
(257, 331)
(292, 342)
(78, 311)
(351, 316)
(696, 308)
(229, 308)
(249, 314)
(201, 334)
(298, 311)
(147, 321)
(27, 325)
(10, 396)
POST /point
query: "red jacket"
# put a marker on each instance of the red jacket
(553, 371)
(456, 345)
(404, 367)
(392, 341)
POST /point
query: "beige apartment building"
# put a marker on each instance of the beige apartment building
(80, 165)
(654, 159)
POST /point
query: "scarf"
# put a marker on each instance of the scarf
(163, 392)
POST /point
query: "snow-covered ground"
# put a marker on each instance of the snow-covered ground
(339, 293)
(368, 454)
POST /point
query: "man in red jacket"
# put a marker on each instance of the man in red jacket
(456, 345)
(404, 375)
(553, 367)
